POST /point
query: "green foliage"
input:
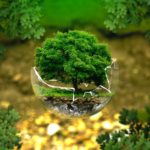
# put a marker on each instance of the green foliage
(122, 13)
(20, 18)
(73, 57)
(136, 138)
(8, 137)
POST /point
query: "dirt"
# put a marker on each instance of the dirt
(132, 53)
(81, 107)
(15, 89)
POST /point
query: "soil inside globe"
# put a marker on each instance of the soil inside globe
(78, 107)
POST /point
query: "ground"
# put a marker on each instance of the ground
(133, 55)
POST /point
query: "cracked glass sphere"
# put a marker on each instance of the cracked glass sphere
(63, 98)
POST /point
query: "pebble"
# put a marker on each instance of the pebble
(17, 77)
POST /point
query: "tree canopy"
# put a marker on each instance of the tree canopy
(135, 138)
(21, 19)
(73, 57)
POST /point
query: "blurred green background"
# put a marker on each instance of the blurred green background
(66, 13)
(75, 14)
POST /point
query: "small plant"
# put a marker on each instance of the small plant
(74, 57)
(136, 138)
(21, 19)
(8, 133)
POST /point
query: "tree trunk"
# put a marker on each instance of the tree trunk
(75, 84)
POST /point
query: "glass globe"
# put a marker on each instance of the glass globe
(63, 98)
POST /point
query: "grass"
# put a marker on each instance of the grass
(50, 92)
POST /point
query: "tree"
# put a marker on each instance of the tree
(75, 57)
(121, 14)
(8, 133)
(21, 19)
(136, 138)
